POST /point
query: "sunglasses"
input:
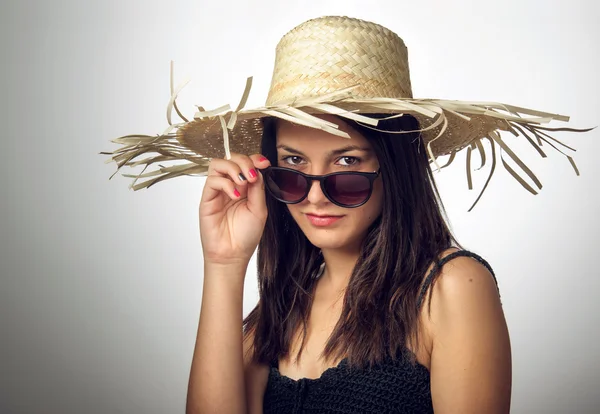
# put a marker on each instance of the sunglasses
(345, 189)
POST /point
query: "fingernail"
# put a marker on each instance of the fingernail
(261, 159)
(241, 177)
(252, 173)
(236, 193)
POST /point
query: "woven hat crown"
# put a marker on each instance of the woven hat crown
(328, 54)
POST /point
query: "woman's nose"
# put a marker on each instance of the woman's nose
(315, 194)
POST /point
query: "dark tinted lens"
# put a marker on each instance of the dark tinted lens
(286, 185)
(348, 189)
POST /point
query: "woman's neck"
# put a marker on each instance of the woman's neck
(339, 264)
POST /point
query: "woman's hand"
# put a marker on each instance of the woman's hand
(233, 210)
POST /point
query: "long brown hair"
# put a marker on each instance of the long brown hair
(379, 312)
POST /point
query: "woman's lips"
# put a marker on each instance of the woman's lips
(322, 221)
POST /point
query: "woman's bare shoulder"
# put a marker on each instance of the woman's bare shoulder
(471, 354)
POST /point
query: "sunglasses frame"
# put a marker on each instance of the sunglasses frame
(371, 176)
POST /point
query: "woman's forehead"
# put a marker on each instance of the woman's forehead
(312, 139)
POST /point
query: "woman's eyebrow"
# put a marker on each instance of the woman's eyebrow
(348, 148)
(290, 149)
(332, 153)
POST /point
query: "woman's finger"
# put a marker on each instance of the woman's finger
(227, 168)
(240, 168)
(216, 185)
(256, 191)
(247, 167)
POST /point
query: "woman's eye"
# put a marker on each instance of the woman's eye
(348, 161)
(292, 160)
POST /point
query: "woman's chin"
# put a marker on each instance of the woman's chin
(329, 240)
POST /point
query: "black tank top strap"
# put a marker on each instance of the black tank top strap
(440, 263)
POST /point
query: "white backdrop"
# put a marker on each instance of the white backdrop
(101, 286)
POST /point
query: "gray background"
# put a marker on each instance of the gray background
(100, 286)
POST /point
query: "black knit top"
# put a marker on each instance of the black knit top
(395, 385)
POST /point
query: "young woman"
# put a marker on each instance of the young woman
(343, 324)
(367, 302)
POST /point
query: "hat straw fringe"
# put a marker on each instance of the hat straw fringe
(517, 177)
(543, 134)
(515, 110)
(225, 137)
(493, 168)
(174, 93)
(450, 160)
(303, 118)
(495, 138)
(334, 110)
(479, 146)
(429, 148)
(529, 139)
(440, 120)
(517, 120)
(167, 148)
(469, 180)
(189, 169)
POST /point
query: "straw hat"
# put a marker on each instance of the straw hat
(350, 68)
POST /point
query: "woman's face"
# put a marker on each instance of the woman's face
(317, 152)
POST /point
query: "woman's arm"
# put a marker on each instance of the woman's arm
(216, 383)
(471, 356)
(232, 216)
(256, 376)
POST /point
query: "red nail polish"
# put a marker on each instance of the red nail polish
(261, 159)
(252, 173)
(236, 193)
